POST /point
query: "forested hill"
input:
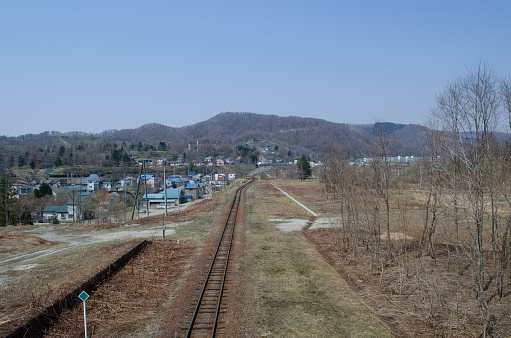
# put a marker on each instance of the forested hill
(306, 135)
(223, 133)
(309, 135)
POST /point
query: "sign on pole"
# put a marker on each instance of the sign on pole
(84, 296)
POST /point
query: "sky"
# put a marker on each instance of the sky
(98, 65)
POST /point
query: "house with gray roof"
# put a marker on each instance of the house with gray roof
(93, 182)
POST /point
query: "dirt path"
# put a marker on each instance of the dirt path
(72, 236)
(72, 239)
(300, 204)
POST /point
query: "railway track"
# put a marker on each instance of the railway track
(206, 319)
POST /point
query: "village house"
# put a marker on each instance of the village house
(147, 179)
(195, 190)
(194, 176)
(161, 161)
(147, 162)
(173, 196)
(93, 182)
(107, 185)
(78, 206)
(61, 183)
(126, 182)
(60, 212)
(174, 182)
(175, 163)
(22, 188)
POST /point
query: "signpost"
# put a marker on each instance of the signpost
(83, 296)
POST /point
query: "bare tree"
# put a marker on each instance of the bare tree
(432, 184)
(382, 173)
(505, 92)
(468, 110)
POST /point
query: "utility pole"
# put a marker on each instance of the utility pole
(165, 188)
(136, 195)
(145, 184)
(73, 196)
(124, 184)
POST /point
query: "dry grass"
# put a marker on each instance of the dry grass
(54, 276)
(132, 302)
(415, 295)
(12, 244)
(296, 292)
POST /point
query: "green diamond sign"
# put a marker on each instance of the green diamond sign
(83, 296)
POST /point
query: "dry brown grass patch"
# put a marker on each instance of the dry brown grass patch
(12, 243)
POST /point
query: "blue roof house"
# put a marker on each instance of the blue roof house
(173, 195)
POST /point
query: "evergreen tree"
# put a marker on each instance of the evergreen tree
(304, 168)
(116, 156)
(62, 151)
(44, 190)
(21, 161)
(126, 158)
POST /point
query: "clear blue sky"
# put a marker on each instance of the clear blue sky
(97, 65)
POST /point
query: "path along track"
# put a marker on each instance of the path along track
(207, 314)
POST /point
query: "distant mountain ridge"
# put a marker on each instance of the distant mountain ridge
(310, 136)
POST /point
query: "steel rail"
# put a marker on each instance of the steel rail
(225, 272)
(231, 217)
